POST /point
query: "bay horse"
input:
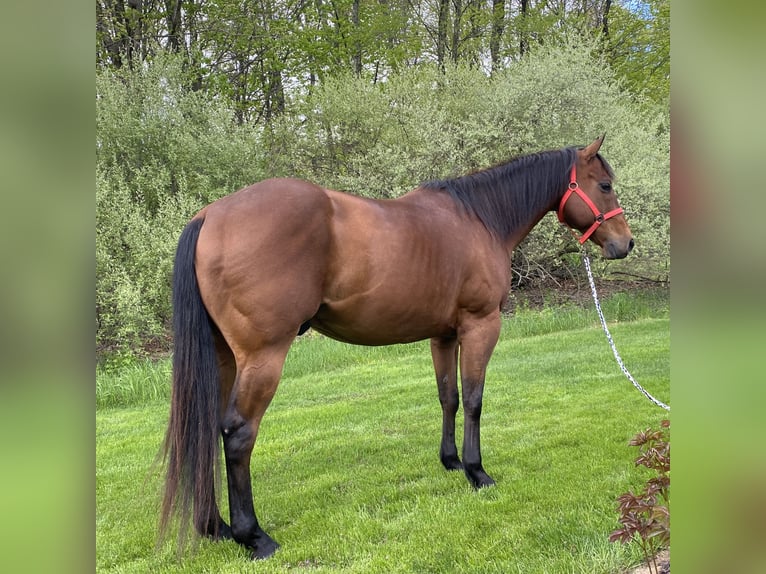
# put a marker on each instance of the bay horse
(258, 267)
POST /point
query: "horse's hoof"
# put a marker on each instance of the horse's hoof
(452, 463)
(224, 532)
(266, 547)
(486, 481)
(478, 478)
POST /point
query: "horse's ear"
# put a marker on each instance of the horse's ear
(590, 151)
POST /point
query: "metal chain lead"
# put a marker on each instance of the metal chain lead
(586, 260)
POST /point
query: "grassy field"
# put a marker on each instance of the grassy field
(346, 473)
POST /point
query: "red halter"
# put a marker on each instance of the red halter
(574, 187)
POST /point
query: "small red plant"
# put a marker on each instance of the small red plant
(645, 516)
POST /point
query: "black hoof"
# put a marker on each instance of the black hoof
(223, 532)
(478, 478)
(265, 548)
(452, 463)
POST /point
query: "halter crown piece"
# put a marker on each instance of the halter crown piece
(600, 218)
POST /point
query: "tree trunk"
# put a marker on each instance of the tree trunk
(456, 18)
(173, 20)
(523, 41)
(605, 19)
(110, 19)
(134, 29)
(441, 34)
(498, 25)
(356, 45)
(240, 91)
(195, 54)
(275, 95)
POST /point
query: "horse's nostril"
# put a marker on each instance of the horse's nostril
(631, 244)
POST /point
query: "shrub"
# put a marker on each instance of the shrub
(643, 516)
(162, 152)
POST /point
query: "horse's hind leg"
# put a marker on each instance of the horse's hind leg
(444, 354)
(256, 382)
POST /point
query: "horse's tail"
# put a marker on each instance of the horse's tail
(191, 447)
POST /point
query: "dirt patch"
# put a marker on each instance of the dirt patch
(663, 563)
(553, 292)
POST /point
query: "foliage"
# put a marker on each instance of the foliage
(258, 54)
(126, 381)
(643, 516)
(162, 152)
(639, 47)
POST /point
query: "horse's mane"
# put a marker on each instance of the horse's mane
(504, 196)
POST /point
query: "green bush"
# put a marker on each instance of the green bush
(163, 151)
(134, 256)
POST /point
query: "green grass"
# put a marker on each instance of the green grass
(346, 473)
(130, 382)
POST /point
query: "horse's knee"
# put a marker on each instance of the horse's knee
(472, 405)
(450, 400)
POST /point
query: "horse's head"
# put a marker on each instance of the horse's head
(590, 204)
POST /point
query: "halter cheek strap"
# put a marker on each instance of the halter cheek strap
(600, 218)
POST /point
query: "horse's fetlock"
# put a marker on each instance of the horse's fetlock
(243, 532)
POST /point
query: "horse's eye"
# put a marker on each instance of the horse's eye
(605, 187)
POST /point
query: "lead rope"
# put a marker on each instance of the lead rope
(586, 260)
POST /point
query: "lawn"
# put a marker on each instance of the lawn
(346, 475)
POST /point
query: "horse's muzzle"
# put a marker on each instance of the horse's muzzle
(617, 249)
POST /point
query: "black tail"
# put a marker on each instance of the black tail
(191, 444)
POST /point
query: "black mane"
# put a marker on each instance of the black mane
(505, 196)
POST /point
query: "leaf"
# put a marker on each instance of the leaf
(623, 535)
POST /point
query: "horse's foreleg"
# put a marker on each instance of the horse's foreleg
(253, 390)
(444, 354)
(477, 341)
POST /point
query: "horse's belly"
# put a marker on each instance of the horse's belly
(379, 326)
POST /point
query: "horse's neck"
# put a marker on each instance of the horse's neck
(518, 235)
(431, 199)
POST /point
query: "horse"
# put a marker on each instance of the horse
(260, 266)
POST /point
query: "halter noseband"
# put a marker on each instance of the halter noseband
(600, 218)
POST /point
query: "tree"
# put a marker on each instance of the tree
(121, 31)
(638, 46)
(498, 25)
(260, 53)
